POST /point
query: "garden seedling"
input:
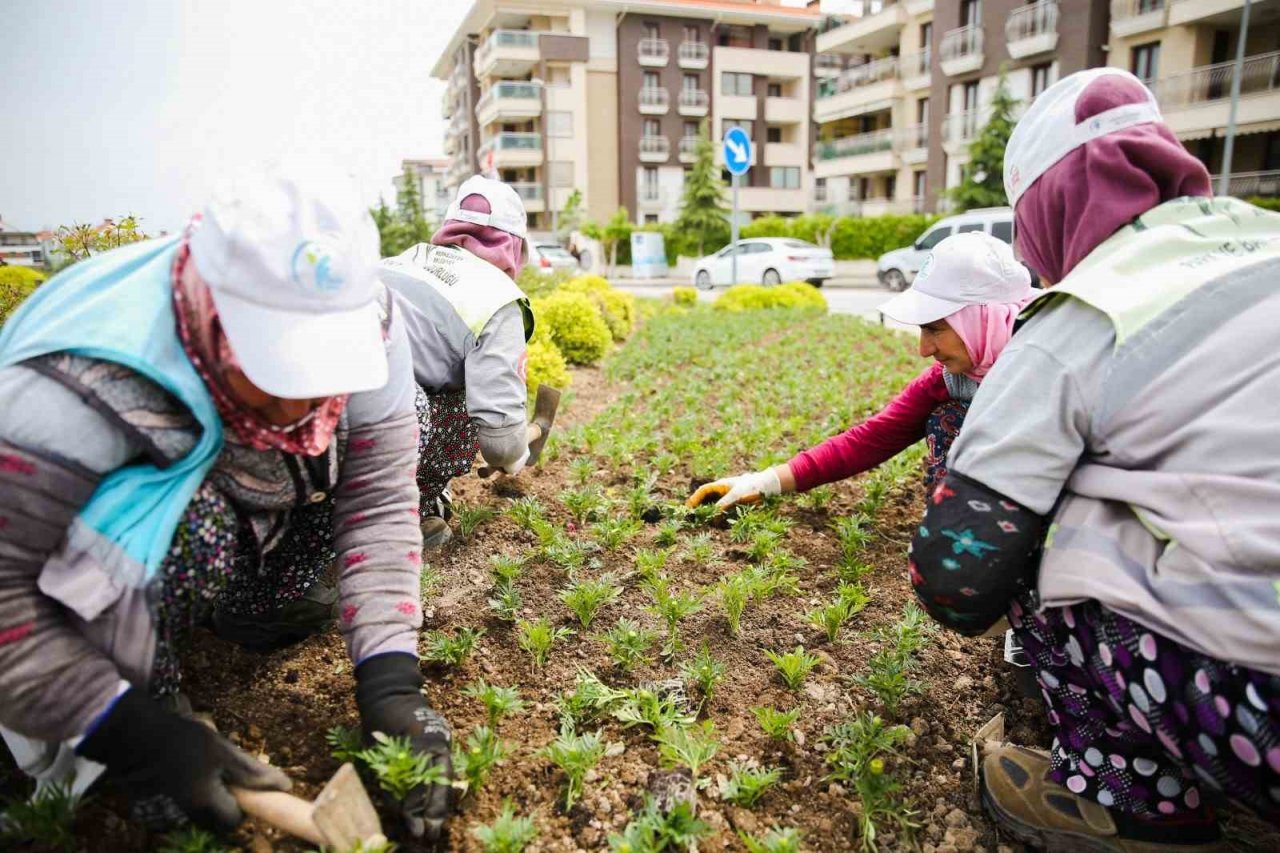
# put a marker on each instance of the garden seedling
(671, 608)
(525, 511)
(469, 518)
(537, 638)
(589, 698)
(399, 767)
(507, 834)
(851, 598)
(506, 569)
(669, 532)
(774, 841)
(704, 671)
(612, 533)
(586, 597)
(582, 470)
(700, 549)
(859, 749)
(816, 498)
(777, 724)
(575, 754)
(688, 746)
(583, 504)
(498, 701)
(46, 819)
(646, 706)
(191, 840)
(428, 581)
(345, 743)
(452, 651)
(746, 785)
(794, 666)
(650, 564)
(506, 602)
(628, 644)
(473, 760)
(887, 677)
(655, 831)
(734, 592)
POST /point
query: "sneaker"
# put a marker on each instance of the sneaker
(313, 613)
(1018, 794)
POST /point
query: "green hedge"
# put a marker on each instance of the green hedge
(16, 284)
(1265, 203)
(754, 297)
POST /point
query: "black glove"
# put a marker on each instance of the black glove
(173, 769)
(389, 696)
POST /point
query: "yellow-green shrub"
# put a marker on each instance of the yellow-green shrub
(754, 297)
(545, 363)
(685, 296)
(574, 322)
(589, 283)
(616, 307)
(16, 284)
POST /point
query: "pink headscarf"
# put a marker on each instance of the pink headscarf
(1101, 186)
(985, 329)
(500, 248)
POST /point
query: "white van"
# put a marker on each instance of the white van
(897, 269)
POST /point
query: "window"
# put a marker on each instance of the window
(651, 219)
(734, 83)
(784, 177)
(1002, 229)
(1145, 62)
(921, 184)
(820, 189)
(970, 13)
(560, 173)
(934, 237)
(736, 122)
(922, 111)
(559, 123)
(649, 183)
(890, 186)
(774, 90)
(926, 37)
(734, 36)
(651, 80)
(652, 127)
(690, 129)
(1040, 78)
(971, 96)
(692, 34)
(773, 134)
(689, 83)
(969, 226)
(651, 30)
(775, 44)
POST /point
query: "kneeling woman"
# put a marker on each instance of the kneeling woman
(965, 300)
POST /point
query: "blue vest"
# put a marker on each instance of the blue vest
(118, 307)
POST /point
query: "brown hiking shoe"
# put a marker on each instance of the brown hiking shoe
(435, 532)
(1043, 814)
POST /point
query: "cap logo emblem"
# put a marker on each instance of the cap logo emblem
(311, 267)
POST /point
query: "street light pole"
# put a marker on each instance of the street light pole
(1237, 72)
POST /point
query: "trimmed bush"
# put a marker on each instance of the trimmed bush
(545, 363)
(754, 297)
(851, 237)
(617, 308)
(575, 325)
(685, 296)
(1265, 203)
(16, 284)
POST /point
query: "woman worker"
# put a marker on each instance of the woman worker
(1116, 488)
(964, 299)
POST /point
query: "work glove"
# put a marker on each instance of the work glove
(516, 467)
(389, 696)
(743, 489)
(174, 770)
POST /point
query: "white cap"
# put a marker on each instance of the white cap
(972, 268)
(291, 260)
(506, 210)
(1049, 131)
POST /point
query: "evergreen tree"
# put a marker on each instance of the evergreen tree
(983, 183)
(570, 219)
(703, 214)
(412, 218)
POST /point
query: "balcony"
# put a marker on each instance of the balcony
(531, 194)
(827, 65)
(915, 70)
(1196, 102)
(507, 53)
(959, 129)
(912, 142)
(860, 89)
(1248, 184)
(1182, 12)
(654, 149)
(688, 149)
(918, 7)
(858, 154)
(693, 55)
(654, 101)
(507, 101)
(653, 53)
(785, 110)
(649, 198)
(692, 102)
(511, 150)
(1033, 29)
(876, 28)
(1131, 17)
(961, 51)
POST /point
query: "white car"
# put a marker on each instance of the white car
(550, 257)
(769, 261)
(897, 269)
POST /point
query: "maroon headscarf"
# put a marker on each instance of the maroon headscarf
(1101, 186)
(500, 248)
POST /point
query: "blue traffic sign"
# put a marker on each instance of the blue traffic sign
(737, 151)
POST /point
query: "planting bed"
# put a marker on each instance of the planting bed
(696, 394)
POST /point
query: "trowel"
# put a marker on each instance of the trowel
(342, 818)
(545, 405)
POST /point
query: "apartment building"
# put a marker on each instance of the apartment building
(429, 178)
(896, 125)
(1185, 50)
(607, 96)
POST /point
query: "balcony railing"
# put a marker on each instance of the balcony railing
(653, 52)
(688, 148)
(654, 148)
(959, 128)
(505, 38)
(654, 101)
(860, 75)
(853, 146)
(912, 137)
(827, 63)
(820, 194)
(693, 54)
(963, 43)
(1247, 184)
(509, 90)
(914, 64)
(511, 141)
(693, 102)
(528, 190)
(1027, 22)
(649, 195)
(1121, 9)
(1258, 75)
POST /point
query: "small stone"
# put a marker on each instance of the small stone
(956, 819)
(795, 808)
(958, 764)
(799, 736)
(291, 677)
(836, 789)
(744, 820)
(920, 726)
(964, 682)
(254, 732)
(591, 776)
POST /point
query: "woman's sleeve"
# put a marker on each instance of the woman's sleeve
(881, 437)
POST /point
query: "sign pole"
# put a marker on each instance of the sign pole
(1237, 71)
(733, 225)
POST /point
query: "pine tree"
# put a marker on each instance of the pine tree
(412, 218)
(983, 184)
(703, 214)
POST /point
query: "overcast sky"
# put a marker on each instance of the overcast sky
(110, 107)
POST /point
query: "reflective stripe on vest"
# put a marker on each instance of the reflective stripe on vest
(475, 289)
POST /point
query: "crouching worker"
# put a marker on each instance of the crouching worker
(178, 419)
(965, 300)
(468, 325)
(1116, 488)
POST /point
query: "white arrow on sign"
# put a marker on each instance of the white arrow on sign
(739, 153)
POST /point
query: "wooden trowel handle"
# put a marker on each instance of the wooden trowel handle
(283, 811)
